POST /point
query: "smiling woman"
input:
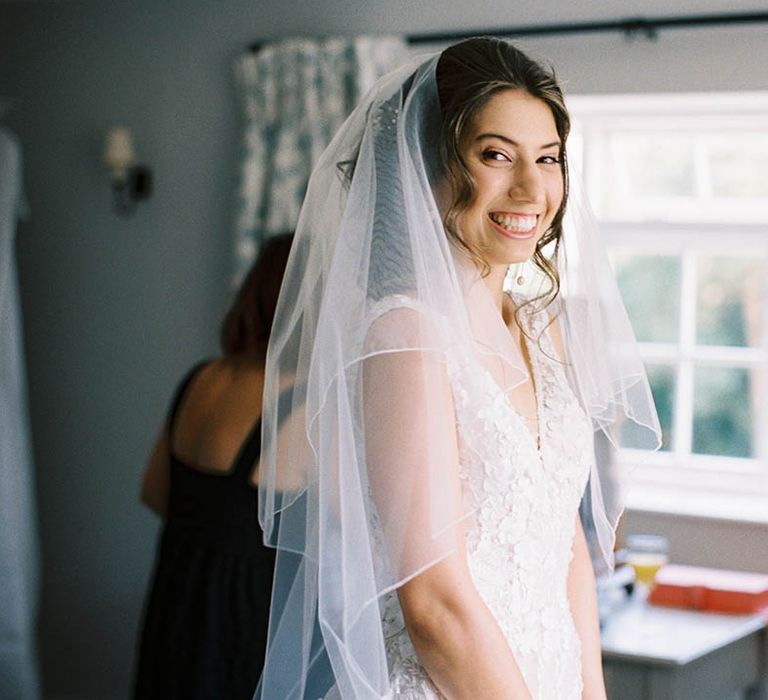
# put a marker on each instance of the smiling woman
(424, 502)
(512, 153)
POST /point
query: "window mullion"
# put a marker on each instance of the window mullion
(684, 394)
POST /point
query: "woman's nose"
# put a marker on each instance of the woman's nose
(527, 183)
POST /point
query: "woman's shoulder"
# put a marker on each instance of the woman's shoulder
(189, 378)
(400, 321)
(402, 304)
(215, 376)
(229, 375)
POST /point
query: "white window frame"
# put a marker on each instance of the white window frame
(678, 481)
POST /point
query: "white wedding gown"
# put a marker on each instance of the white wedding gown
(519, 540)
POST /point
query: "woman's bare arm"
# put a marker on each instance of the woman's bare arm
(156, 478)
(457, 638)
(583, 602)
(412, 450)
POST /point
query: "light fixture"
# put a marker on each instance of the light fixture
(131, 182)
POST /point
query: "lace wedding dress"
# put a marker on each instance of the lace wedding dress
(519, 540)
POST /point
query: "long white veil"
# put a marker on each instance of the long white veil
(354, 488)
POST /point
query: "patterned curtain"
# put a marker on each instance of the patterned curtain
(295, 95)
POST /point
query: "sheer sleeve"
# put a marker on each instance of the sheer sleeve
(380, 321)
(411, 454)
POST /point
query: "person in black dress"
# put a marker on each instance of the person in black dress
(205, 620)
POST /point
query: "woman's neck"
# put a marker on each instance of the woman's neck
(494, 280)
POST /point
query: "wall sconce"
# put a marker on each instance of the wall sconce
(130, 182)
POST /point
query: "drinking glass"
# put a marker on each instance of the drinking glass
(646, 554)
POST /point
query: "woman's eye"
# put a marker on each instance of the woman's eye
(549, 160)
(494, 155)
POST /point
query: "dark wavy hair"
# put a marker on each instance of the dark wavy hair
(247, 325)
(468, 75)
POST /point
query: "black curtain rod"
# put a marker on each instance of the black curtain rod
(648, 27)
(634, 26)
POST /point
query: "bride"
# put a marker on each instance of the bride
(449, 339)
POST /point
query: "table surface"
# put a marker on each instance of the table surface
(636, 631)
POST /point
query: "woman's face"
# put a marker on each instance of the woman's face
(512, 150)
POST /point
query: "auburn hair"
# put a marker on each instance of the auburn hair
(248, 322)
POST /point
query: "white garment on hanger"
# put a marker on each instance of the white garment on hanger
(18, 533)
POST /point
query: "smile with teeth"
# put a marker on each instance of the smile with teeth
(515, 224)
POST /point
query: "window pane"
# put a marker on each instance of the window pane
(738, 163)
(723, 411)
(662, 379)
(728, 300)
(650, 287)
(651, 164)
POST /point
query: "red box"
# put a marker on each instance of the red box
(710, 589)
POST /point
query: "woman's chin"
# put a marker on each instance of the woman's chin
(521, 252)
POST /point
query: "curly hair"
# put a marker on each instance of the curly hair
(468, 75)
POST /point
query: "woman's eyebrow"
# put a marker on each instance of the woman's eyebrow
(506, 139)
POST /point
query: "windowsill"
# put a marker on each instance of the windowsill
(736, 508)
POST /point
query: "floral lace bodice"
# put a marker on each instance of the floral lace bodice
(525, 495)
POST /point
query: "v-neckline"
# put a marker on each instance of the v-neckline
(534, 377)
(537, 441)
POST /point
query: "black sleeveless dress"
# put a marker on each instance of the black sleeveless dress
(205, 620)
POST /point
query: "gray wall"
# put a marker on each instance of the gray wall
(116, 309)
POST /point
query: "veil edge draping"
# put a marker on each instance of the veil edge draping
(354, 515)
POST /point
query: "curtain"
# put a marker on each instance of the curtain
(295, 94)
(18, 532)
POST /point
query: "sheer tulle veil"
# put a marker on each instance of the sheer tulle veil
(377, 312)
